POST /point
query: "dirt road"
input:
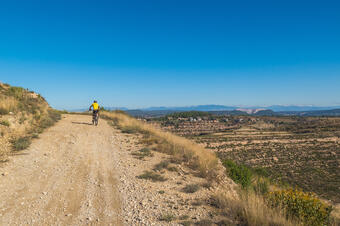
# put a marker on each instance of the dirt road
(66, 177)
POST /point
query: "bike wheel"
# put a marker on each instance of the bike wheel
(96, 120)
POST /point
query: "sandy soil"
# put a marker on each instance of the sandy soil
(66, 177)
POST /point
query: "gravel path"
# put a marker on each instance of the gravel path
(79, 174)
(66, 177)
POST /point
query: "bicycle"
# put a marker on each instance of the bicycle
(95, 117)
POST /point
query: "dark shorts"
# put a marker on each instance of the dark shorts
(95, 112)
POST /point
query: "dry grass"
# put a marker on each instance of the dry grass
(180, 148)
(7, 104)
(4, 150)
(251, 209)
(23, 114)
(336, 215)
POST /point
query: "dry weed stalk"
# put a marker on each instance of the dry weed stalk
(251, 209)
(8, 104)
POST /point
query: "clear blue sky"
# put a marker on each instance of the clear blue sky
(173, 53)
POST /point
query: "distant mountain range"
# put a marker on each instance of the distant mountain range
(191, 108)
(333, 112)
(278, 110)
(275, 108)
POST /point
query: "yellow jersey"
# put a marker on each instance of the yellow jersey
(95, 106)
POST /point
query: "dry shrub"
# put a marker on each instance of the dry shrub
(149, 175)
(148, 140)
(182, 149)
(168, 217)
(251, 209)
(191, 188)
(21, 143)
(162, 165)
(142, 153)
(4, 150)
(335, 215)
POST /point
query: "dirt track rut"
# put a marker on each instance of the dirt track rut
(66, 177)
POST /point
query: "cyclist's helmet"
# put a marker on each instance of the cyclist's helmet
(94, 101)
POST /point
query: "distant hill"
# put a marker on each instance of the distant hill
(160, 113)
(333, 112)
(265, 113)
(278, 108)
(192, 108)
(149, 114)
(275, 108)
(233, 112)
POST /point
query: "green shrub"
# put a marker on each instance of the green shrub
(261, 172)
(149, 175)
(21, 143)
(304, 206)
(204, 222)
(22, 119)
(63, 112)
(167, 217)
(3, 111)
(130, 129)
(183, 217)
(4, 123)
(165, 165)
(161, 165)
(261, 186)
(239, 173)
(50, 119)
(142, 153)
(16, 92)
(172, 168)
(35, 135)
(54, 115)
(38, 130)
(191, 188)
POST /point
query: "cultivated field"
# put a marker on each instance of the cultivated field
(299, 151)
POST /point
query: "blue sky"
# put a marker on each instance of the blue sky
(173, 53)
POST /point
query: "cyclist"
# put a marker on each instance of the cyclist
(96, 108)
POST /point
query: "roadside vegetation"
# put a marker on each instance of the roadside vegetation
(264, 202)
(23, 116)
(261, 200)
(181, 149)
